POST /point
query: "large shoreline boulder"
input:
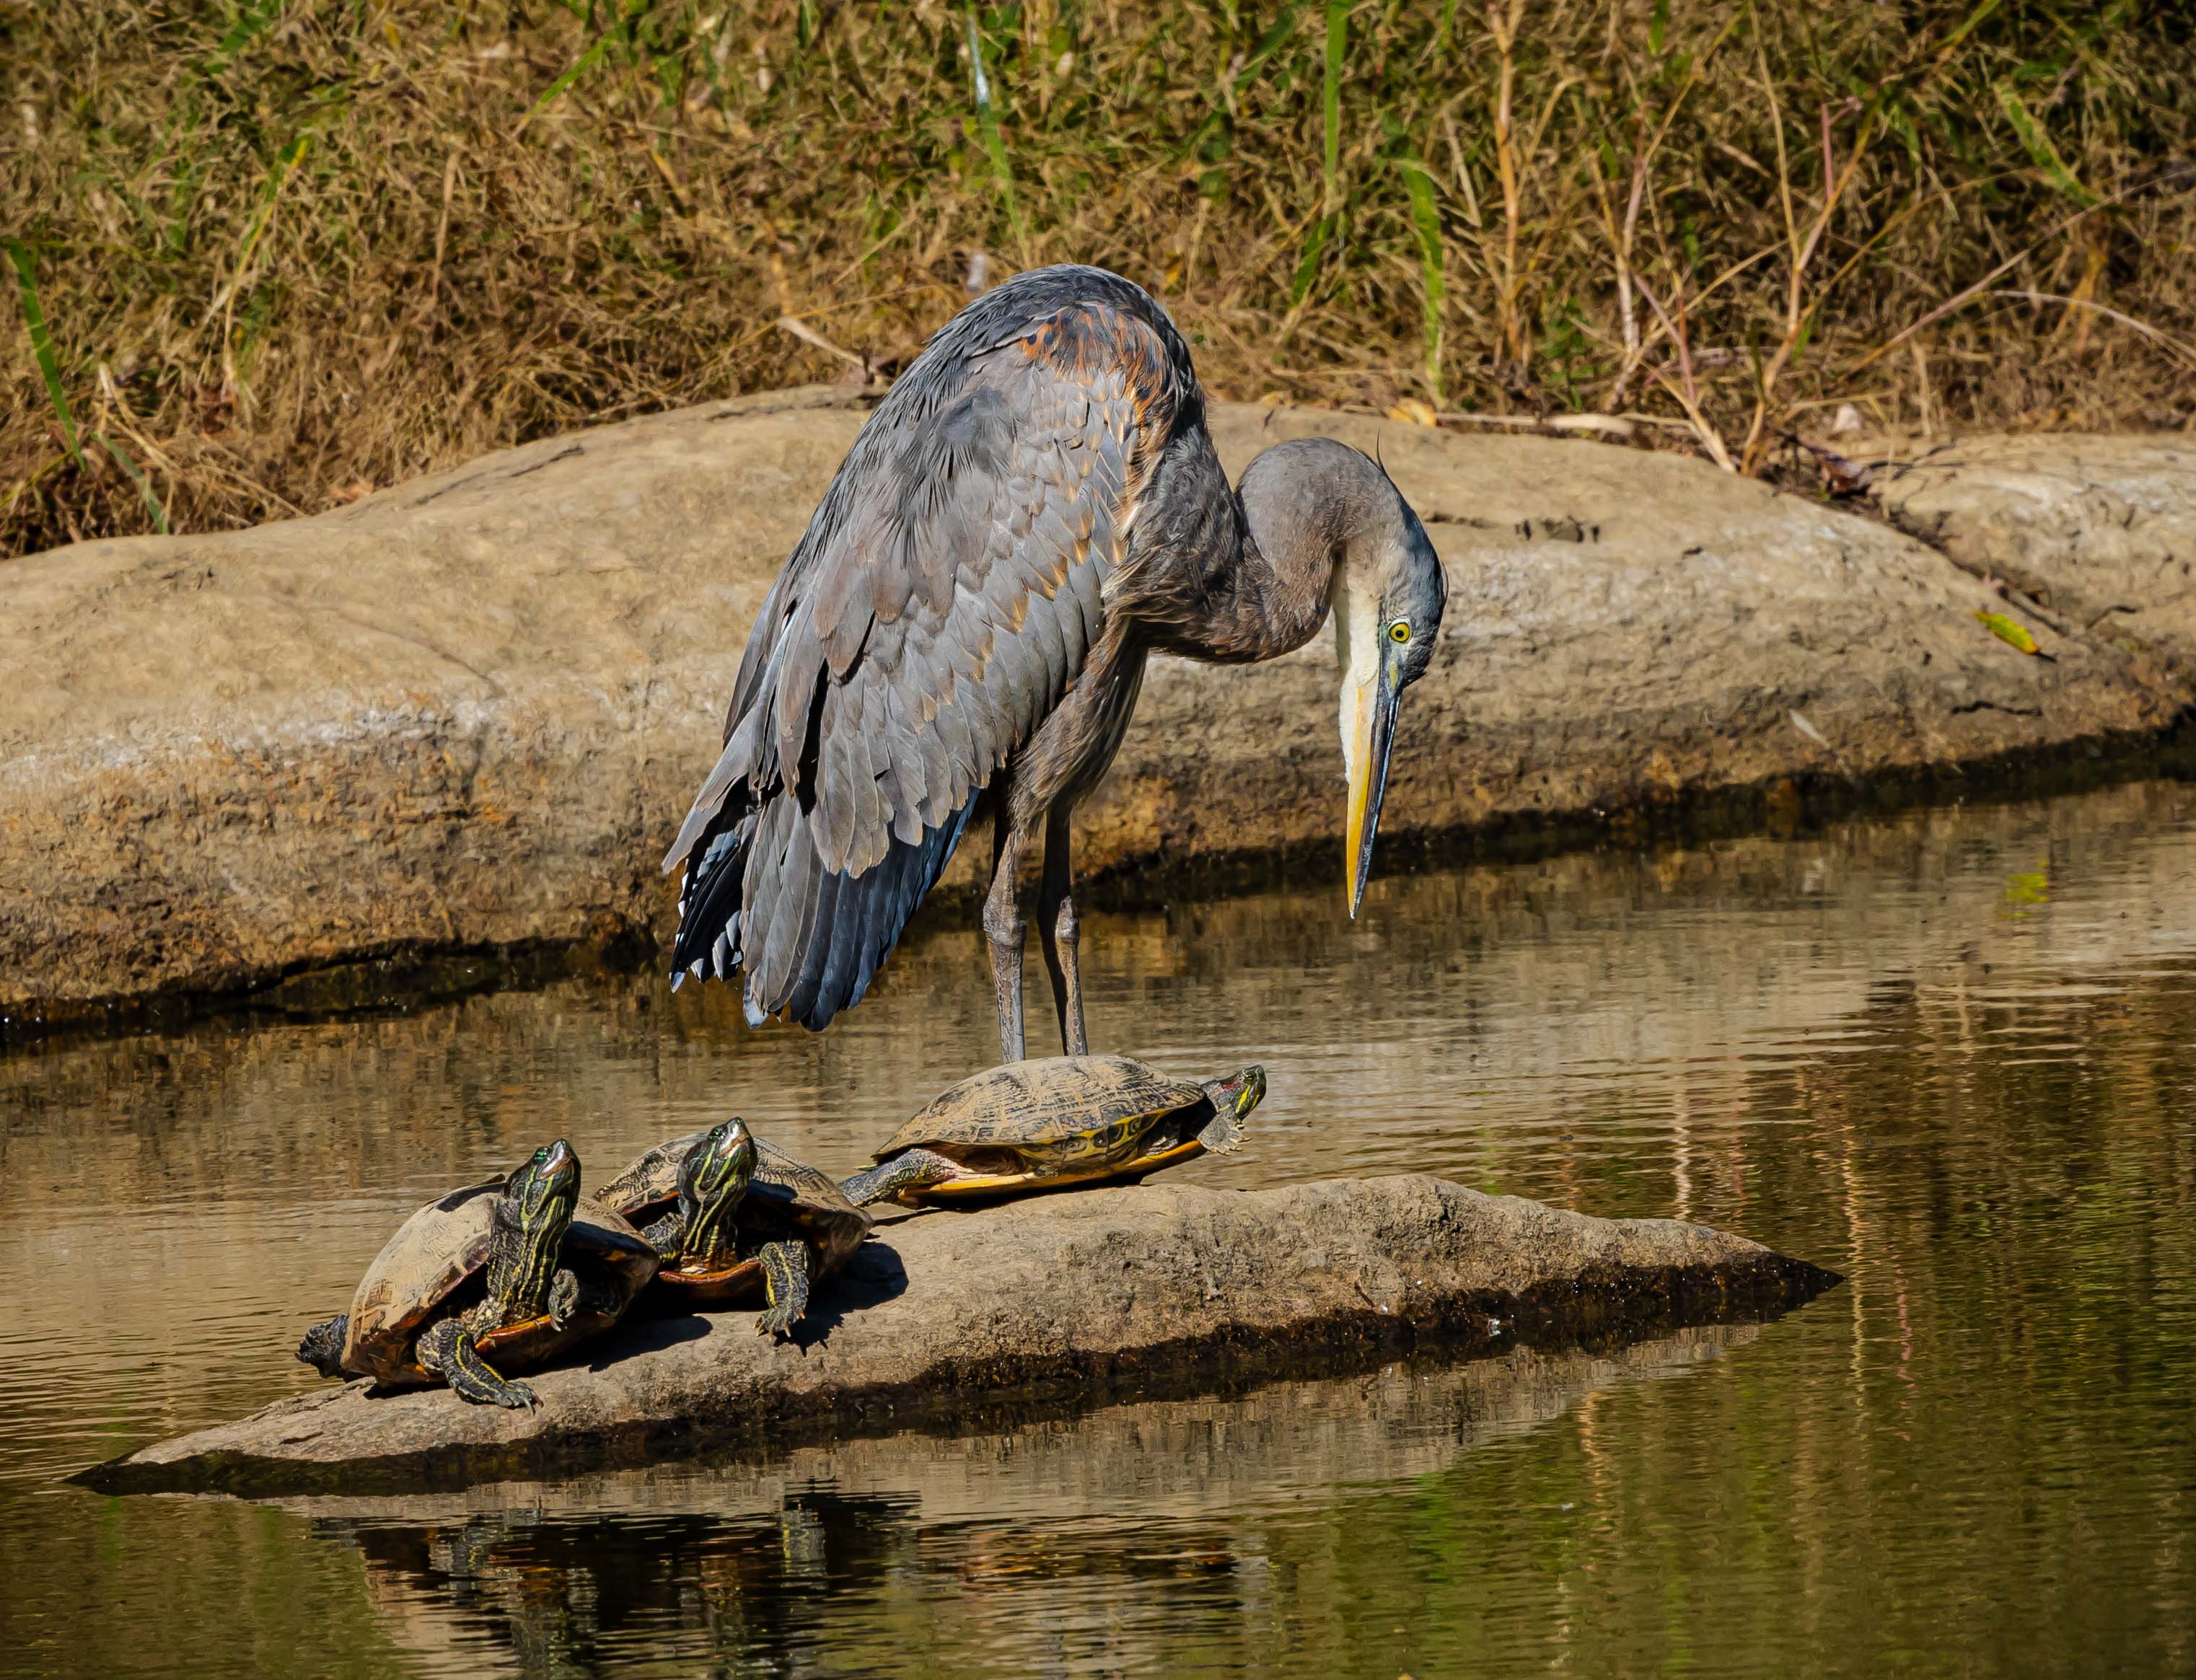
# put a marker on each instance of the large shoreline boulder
(465, 714)
(2100, 530)
(1095, 1294)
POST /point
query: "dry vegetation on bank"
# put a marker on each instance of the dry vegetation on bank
(287, 250)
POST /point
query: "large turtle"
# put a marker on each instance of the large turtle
(1053, 1124)
(511, 1271)
(736, 1222)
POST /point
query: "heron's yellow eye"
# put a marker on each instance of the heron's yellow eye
(1400, 630)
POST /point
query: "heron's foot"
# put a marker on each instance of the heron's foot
(785, 1285)
(449, 1352)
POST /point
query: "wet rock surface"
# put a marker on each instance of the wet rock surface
(1102, 1295)
(464, 715)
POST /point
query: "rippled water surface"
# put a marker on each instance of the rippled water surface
(1949, 1056)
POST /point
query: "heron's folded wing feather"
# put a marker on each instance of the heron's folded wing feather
(937, 623)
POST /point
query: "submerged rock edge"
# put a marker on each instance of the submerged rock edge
(951, 1326)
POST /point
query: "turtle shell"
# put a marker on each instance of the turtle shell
(436, 1264)
(785, 1199)
(1050, 1114)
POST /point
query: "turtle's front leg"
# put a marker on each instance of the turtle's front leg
(910, 1169)
(785, 1282)
(450, 1351)
(564, 1297)
(667, 1236)
(570, 1294)
(1222, 1134)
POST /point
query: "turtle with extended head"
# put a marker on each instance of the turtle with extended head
(497, 1277)
(736, 1222)
(1057, 1124)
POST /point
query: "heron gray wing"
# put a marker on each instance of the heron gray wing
(944, 596)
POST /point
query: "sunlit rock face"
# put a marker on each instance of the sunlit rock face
(467, 714)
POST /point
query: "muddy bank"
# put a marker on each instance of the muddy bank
(464, 715)
(1104, 1295)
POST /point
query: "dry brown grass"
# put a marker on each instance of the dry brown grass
(290, 250)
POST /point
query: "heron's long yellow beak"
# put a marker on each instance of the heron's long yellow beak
(1370, 711)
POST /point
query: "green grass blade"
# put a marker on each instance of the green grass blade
(1426, 223)
(1337, 41)
(42, 344)
(1269, 44)
(251, 22)
(584, 63)
(285, 160)
(987, 128)
(1973, 21)
(2041, 151)
(1308, 269)
(144, 489)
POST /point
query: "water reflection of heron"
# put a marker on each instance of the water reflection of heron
(1033, 509)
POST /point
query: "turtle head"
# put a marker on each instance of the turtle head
(1239, 1092)
(540, 1197)
(712, 1181)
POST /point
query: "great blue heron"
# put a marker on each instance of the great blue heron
(1034, 509)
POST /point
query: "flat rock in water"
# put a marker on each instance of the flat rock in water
(466, 714)
(1103, 1294)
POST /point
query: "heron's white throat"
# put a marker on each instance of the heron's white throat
(1356, 610)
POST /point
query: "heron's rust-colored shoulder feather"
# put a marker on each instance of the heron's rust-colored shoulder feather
(948, 590)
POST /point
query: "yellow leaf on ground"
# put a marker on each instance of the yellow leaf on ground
(2008, 631)
(1414, 412)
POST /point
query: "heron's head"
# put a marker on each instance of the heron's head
(1387, 597)
(1332, 521)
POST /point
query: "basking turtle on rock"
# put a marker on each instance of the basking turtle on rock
(736, 1222)
(1058, 1124)
(496, 1277)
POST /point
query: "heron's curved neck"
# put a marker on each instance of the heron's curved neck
(1308, 508)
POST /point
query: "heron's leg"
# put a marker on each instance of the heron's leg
(1003, 925)
(1056, 933)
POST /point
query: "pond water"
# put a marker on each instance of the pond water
(1948, 1055)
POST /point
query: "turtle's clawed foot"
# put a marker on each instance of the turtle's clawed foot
(564, 1297)
(785, 1282)
(1222, 1135)
(449, 1351)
